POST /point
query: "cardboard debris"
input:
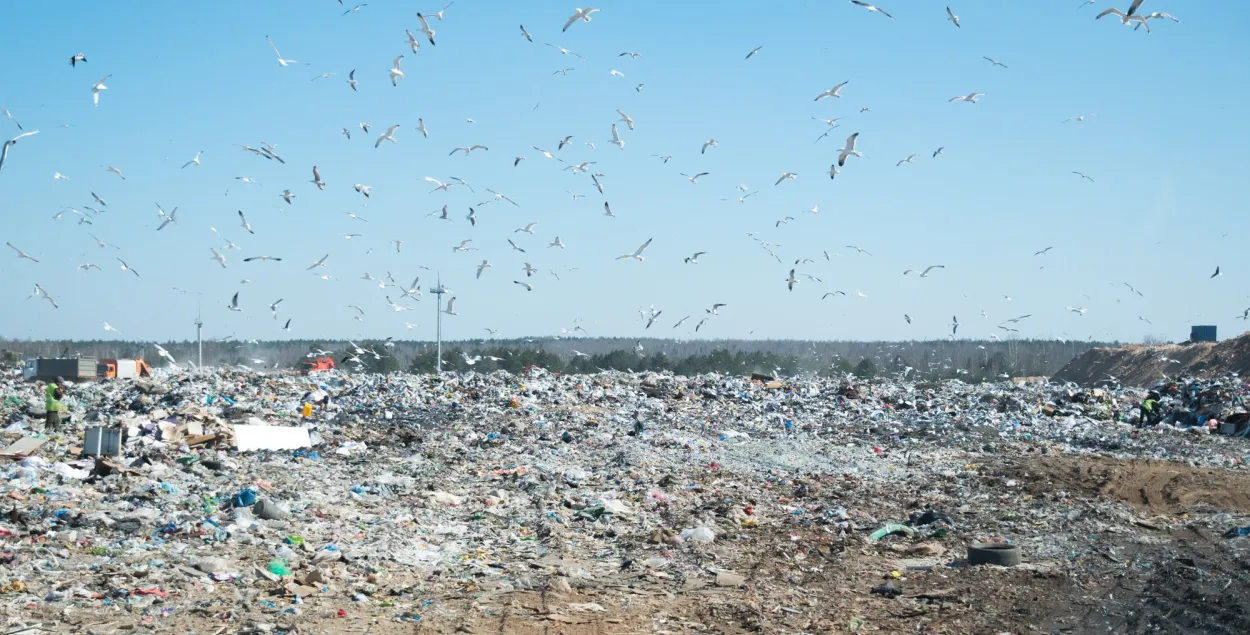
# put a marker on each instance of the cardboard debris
(24, 447)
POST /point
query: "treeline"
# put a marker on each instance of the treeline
(967, 359)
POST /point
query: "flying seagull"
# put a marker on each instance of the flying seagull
(316, 179)
(848, 150)
(4, 152)
(243, 221)
(970, 97)
(950, 15)
(857, 249)
(194, 161)
(616, 139)
(126, 267)
(908, 159)
(1082, 175)
(693, 179)
(319, 263)
(221, 260)
(791, 281)
(581, 14)
(425, 28)
(1042, 252)
(710, 143)
(388, 136)
(395, 73)
(96, 88)
(234, 303)
(80, 57)
(993, 61)
(871, 8)
(482, 267)
(282, 61)
(786, 176)
(753, 52)
(6, 113)
(21, 254)
(938, 151)
(351, 79)
(637, 255)
(1217, 270)
(832, 92)
(694, 260)
(526, 33)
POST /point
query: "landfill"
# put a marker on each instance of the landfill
(228, 501)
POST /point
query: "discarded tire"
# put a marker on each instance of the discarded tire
(995, 553)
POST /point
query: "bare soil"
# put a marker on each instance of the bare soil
(1143, 365)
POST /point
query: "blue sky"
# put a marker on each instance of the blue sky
(1167, 150)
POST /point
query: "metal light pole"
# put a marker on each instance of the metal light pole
(438, 292)
(199, 336)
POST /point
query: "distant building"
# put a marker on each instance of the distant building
(1202, 334)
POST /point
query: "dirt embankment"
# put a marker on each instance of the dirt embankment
(1144, 365)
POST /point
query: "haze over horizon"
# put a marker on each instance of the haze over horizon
(1161, 139)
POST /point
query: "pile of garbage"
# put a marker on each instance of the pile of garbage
(261, 502)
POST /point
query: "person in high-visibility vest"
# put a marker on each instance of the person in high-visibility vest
(52, 394)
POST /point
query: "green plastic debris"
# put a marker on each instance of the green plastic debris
(891, 528)
(278, 566)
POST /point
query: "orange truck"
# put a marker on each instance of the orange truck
(319, 364)
(123, 369)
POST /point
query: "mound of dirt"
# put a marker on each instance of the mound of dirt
(1144, 365)
(1156, 487)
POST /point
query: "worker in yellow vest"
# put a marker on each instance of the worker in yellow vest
(52, 395)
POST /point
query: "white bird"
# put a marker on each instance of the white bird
(4, 152)
(1083, 175)
(282, 61)
(109, 168)
(607, 210)
(425, 28)
(950, 15)
(616, 73)
(389, 136)
(86, 266)
(413, 43)
(421, 128)
(871, 8)
(848, 150)
(514, 246)
(616, 139)
(857, 249)
(556, 243)
(710, 143)
(993, 61)
(786, 176)
(21, 254)
(1217, 271)
(501, 197)
(581, 14)
(395, 73)
(171, 217)
(109, 327)
(194, 161)
(1078, 310)
(221, 260)
(243, 221)
(126, 267)
(907, 160)
(970, 97)
(469, 150)
(316, 179)
(629, 122)
(320, 263)
(6, 113)
(1154, 16)
(528, 229)
(693, 179)
(694, 260)
(363, 189)
(97, 87)
(637, 255)
(753, 52)
(1078, 119)
(464, 246)
(451, 303)
(234, 303)
(832, 92)
(791, 281)
(529, 270)
(526, 34)
(351, 79)
(925, 273)
(287, 196)
(1125, 18)
(938, 151)
(57, 176)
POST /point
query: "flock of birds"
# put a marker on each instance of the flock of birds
(401, 297)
